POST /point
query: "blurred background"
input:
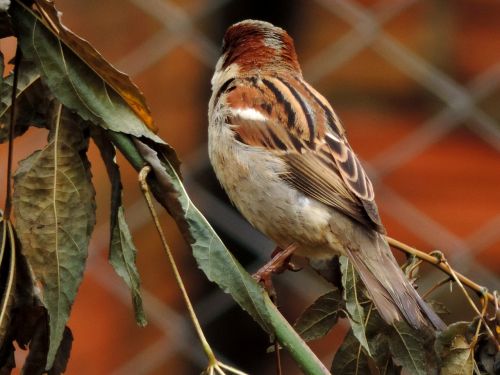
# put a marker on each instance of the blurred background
(417, 85)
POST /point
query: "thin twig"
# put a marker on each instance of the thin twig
(12, 123)
(484, 301)
(435, 286)
(473, 305)
(445, 267)
(213, 363)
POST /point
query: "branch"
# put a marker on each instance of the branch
(443, 266)
(286, 335)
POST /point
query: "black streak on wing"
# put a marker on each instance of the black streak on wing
(223, 88)
(329, 115)
(305, 109)
(281, 99)
(278, 143)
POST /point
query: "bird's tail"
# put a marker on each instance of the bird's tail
(391, 292)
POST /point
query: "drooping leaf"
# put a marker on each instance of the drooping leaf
(218, 264)
(55, 214)
(353, 297)
(83, 83)
(122, 251)
(117, 80)
(319, 318)
(408, 348)
(62, 355)
(7, 275)
(455, 351)
(32, 101)
(122, 256)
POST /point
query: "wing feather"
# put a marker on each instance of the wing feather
(324, 168)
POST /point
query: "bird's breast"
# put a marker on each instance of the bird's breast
(251, 178)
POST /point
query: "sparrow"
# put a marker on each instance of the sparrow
(282, 156)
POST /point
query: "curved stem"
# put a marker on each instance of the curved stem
(443, 266)
(145, 189)
(436, 286)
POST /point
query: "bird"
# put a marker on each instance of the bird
(281, 154)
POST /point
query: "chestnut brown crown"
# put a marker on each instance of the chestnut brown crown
(258, 45)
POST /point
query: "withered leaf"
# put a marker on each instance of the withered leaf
(353, 295)
(118, 81)
(39, 346)
(84, 83)
(32, 101)
(455, 350)
(122, 251)
(54, 203)
(319, 318)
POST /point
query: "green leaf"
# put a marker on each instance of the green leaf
(76, 77)
(352, 296)
(7, 275)
(32, 101)
(319, 318)
(122, 251)
(122, 256)
(218, 264)
(455, 350)
(409, 350)
(55, 214)
(117, 80)
(351, 358)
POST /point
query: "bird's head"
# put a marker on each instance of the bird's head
(258, 46)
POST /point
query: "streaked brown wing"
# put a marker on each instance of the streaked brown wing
(320, 162)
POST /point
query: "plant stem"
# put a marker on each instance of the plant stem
(145, 189)
(436, 286)
(445, 267)
(12, 123)
(288, 338)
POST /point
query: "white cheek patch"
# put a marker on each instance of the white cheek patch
(249, 114)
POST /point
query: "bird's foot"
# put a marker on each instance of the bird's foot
(279, 263)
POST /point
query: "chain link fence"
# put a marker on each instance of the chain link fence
(425, 104)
